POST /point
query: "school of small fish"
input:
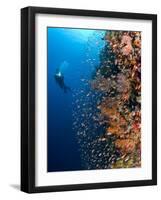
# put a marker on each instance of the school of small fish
(107, 107)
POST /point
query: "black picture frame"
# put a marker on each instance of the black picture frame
(28, 98)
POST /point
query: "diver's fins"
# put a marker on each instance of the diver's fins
(66, 89)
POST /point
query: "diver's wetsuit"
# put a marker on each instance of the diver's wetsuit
(59, 78)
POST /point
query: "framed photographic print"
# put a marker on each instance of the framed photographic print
(88, 99)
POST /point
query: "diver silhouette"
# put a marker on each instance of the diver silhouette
(59, 78)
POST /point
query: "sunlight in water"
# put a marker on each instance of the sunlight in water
(80, 34)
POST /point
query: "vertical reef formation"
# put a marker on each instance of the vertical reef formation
(119, 78)
(107, 112)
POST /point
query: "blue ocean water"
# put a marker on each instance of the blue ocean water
(75, 54)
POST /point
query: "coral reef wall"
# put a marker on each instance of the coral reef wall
(119, 78)
(107, 117)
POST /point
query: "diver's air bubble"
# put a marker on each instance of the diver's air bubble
(63, 66)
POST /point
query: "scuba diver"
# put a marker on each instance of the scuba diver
(59, 78)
